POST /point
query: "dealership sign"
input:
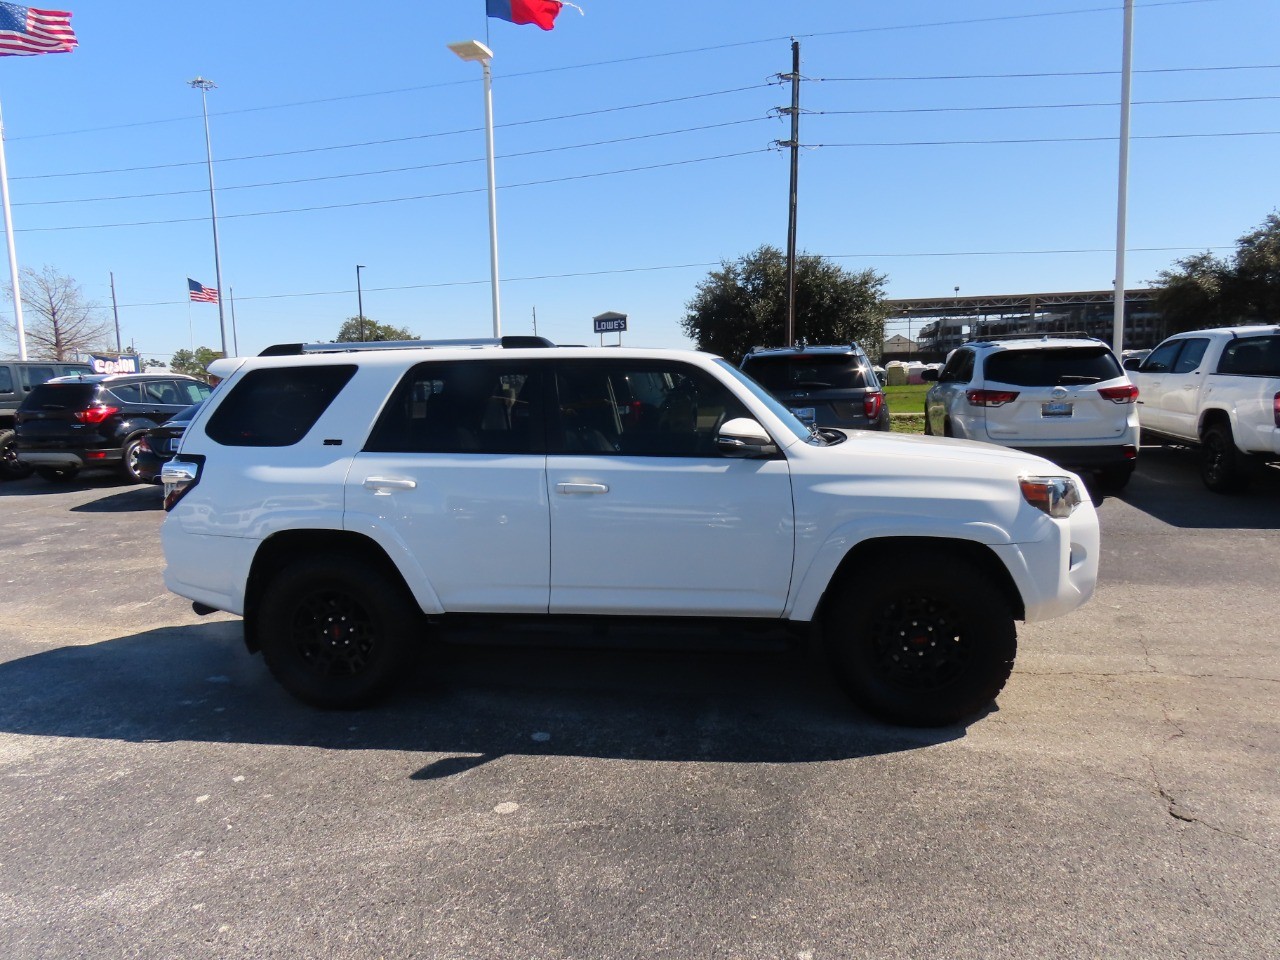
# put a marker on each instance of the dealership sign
(124, 363)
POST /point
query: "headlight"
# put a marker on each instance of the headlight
(1056, 496)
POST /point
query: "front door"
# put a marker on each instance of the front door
(647, 517)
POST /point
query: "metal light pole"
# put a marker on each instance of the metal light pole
(359, 302)
(204, 86)
(1122, 191)
(13, 253)
(475, 51)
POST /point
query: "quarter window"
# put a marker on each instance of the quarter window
(276, 406)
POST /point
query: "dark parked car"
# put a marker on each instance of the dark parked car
(79, 423)
(160, 444)
(828, 386)
(17, 379)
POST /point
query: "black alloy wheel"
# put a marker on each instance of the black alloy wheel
(927, 651)
(336, 633)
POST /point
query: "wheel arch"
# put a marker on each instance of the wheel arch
(277, 549)
(1212, 417)
(883, 552)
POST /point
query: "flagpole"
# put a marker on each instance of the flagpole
(13, 252)
(204, 86)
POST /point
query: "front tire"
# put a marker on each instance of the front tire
(337, 635)
(1221, 466)
(925, 652)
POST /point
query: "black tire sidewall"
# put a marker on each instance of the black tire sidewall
(11, 468)
(1229, 478)
(395, 619)
(988, 629)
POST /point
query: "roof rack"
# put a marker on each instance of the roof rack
(508, 343)
(1056, 335)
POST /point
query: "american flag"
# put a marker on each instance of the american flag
(200, 293)
(26, 31)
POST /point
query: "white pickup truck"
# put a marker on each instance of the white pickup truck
(1218, 390)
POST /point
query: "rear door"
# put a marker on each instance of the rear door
(1053, 395)
(456, 469)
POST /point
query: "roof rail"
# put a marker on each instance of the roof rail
(508, 343)
(1056, 335)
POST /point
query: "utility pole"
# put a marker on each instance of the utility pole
(535, 321)
(359, 302)
(789, 333)
(115, 310)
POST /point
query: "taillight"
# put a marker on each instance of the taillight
(872, 404)
(1275, 409)
(95, 414)
(178, 477)
(991, 398)
(1126, 394)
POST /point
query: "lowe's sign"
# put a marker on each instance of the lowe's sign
(125, 363)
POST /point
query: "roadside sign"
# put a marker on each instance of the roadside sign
(610, 323)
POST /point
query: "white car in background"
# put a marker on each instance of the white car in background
(1065, 399)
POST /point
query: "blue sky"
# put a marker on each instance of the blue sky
(633, 154)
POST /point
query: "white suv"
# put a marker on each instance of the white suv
(347, 502)
(1065, 399)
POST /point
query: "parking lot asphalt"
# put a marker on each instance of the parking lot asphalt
(160, 797)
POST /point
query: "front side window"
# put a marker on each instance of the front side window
(1251, 357)
(959, 368)
(1161, 359)
(641, 408)
(1191, 355)
(276, 406)
(463, 407)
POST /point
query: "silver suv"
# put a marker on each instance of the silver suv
(351, 502)
(1065, 399)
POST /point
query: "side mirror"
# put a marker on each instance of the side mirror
(744, 437)
(929, 375)
(1132, 363)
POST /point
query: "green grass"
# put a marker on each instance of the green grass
(907, 399)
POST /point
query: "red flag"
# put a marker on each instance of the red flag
(540, 12)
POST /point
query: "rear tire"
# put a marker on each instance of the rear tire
(11, 468)
(57, 474)
(129, 460)
(1221, 466)
(924, 652)
(337, 635)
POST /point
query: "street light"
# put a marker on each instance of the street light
(473, 51)
(204, 86)
(359, 302)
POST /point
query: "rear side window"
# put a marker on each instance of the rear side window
(1251, 357)
(37, 375)
(1052, 367)
(276, 407)
(808, 372)
(463, 407)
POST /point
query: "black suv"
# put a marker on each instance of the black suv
(96, 421)
(823, 386)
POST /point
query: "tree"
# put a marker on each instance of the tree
(1204, 290)
(194, 363)
(59, 322)
(373, 332)
(744, 303)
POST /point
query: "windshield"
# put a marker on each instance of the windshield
(808, 371)
(760, 393)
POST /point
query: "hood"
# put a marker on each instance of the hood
(863, 443)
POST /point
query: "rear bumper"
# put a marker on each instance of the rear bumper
(1086, 457)
(77, 458)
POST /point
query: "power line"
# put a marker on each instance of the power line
(387, 200)
(1027, 76)
(406, 139)
(1032, 106)
(956, 143)
(408, 169)
(683, 266)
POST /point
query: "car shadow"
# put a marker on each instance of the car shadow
(469, 705)
(137, 497)
(89, 480)
(1167, 486)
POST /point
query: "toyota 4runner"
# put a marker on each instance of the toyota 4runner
(347, 499)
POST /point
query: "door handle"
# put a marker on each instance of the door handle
(381, 486)
(582, 488)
